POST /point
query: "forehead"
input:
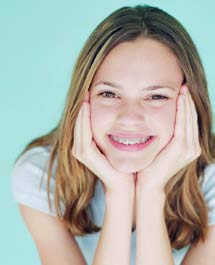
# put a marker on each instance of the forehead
(142, 60)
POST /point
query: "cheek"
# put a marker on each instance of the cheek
(164, 118)
(101, 118)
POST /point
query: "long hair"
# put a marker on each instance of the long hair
(186, 212)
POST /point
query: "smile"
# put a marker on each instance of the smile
(130, 141)
(134, 144)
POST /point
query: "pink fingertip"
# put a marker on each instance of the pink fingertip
(87, 96)
(184, 90)
(181, 99)
(84, 104)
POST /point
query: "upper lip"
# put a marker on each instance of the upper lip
(130, 135)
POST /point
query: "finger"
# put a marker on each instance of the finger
(86, 131)
(195, 123)
(180, 117)
(77, 132)
(189, 122)
(87, 96)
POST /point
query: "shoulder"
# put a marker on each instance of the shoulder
(29, 179)
(208, 189)
(209, 175)
(208, 181)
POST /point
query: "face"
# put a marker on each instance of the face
(134, 95)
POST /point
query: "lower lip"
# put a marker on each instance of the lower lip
(133, 147)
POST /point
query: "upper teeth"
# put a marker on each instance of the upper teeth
(130, 141)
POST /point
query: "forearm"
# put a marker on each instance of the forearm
(153, 245)
(115, 240)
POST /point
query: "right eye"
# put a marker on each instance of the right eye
(108, 94)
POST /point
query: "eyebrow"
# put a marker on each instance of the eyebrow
(153, 87)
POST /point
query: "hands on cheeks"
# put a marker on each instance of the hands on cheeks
(182, 149)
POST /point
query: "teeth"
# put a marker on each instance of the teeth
(130, 141)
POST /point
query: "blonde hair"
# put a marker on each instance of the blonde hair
(186, 212)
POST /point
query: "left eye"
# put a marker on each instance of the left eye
(158, 97)
(107, 94)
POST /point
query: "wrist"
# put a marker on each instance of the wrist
(149, 185)
(151, 192)
(123, 194)
(121, 189)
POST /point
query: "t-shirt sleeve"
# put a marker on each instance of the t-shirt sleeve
(29, 180)
(208, 188)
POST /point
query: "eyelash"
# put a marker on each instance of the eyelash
(113, 94)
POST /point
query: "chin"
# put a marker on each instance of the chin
(128, 168)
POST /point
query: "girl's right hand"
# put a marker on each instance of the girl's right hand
(85, 150)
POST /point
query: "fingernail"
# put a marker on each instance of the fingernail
(184, 90)
(87, 96)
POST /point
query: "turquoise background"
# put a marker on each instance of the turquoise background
(39, 43)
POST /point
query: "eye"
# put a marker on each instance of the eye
(108, 94)
(158, 97)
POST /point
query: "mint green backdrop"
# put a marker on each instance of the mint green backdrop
(39, 43)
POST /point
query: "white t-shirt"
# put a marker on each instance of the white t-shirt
(29, 188)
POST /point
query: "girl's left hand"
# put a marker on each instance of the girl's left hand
(182, 148)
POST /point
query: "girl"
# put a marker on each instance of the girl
(128, 174)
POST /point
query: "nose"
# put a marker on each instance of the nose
(131, 115)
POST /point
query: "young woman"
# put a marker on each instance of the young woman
(128, 174)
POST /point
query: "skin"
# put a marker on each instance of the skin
(129, 109)
(173, 121)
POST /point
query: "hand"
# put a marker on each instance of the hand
(86, 151)
(182, 149)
